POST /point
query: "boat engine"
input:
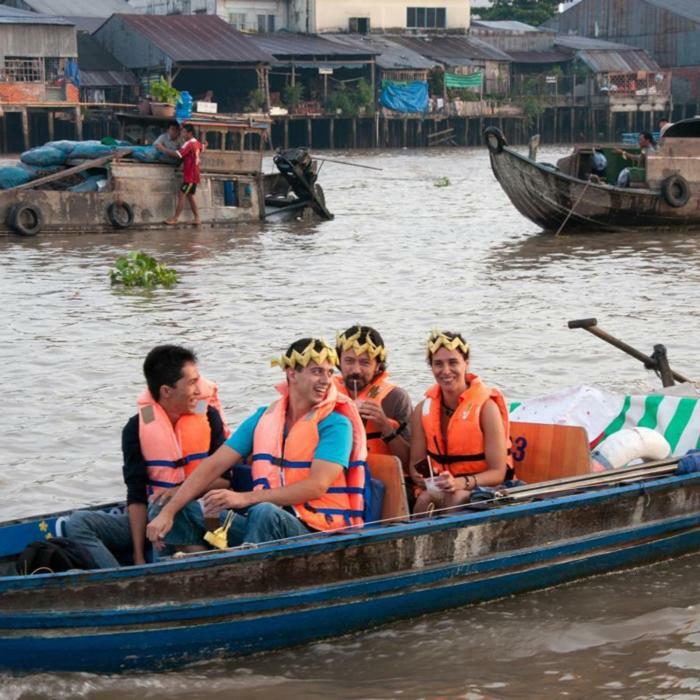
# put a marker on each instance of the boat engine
(298, 168)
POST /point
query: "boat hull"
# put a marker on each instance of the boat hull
(245, 601)
(554, 200)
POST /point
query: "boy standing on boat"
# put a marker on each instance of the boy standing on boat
(308, 452)
(385, 408)
(189, 153)
(179, 422)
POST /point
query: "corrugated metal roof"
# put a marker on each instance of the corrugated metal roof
(390, 55)
(289, 46)
(87, 24)
(618, 61)
(505, 25)
(553, 56)
(9, 15)
(453, 50)
(101, 78)
(196, 38)
(93, 56)
(686, 8)
(80, 8)
(584, 43)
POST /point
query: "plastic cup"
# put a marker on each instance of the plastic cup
(431, 484)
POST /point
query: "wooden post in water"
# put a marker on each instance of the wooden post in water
(285, 127)
(331, 132)
(308, 132)
(404, 132)
(78, 124)
(375, 131)
(50, 124)
(419, 131)
(354, 132)
(25, 128)
(466, 131)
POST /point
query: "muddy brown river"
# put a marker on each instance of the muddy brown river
(405, 256)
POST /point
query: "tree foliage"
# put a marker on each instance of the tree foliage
(533, 12)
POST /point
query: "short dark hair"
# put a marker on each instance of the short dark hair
(173, 122)
(365, 333)
(649, 137)
(451, 336)
(163, 366)
(189, 128)
(301, 345)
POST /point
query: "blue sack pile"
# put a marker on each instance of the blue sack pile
(690, 463)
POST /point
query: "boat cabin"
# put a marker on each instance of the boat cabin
(233, 145)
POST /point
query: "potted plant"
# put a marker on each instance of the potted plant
(163, 98)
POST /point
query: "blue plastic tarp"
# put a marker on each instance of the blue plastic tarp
(411, 97)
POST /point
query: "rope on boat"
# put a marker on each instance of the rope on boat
(571, 211)
(501, 497)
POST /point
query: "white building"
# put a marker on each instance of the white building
(319, 16)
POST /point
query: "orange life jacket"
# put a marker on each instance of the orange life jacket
(376, 391)
(278, 461)
(464, 451)
(172, 452)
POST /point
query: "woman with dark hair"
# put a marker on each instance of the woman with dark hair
(459, 432)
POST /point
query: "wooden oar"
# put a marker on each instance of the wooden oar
(96, 163)
(344, 162)
(658, 362)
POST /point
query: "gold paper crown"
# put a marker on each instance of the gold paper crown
(309, 354)
(437, 340)
(352, 342)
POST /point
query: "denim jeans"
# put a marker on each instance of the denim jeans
(264, 522)
(108, 536)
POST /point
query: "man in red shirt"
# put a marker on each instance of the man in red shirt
(189, 153)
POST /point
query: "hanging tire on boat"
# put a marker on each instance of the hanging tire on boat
(675, 190)
(495, 140)
(320, 196)
(120, 214)
(25, 219)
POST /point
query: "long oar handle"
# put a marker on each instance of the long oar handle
(590, 325)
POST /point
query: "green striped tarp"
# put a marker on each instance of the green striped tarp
(602, 413)
(473, 80)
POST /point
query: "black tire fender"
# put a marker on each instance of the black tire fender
(120, 214)
(495, 140)
(320, 195)
(675, 190)
(25, 219)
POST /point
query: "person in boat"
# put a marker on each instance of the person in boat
(189, 153)
(179, 422)
(459, 432)
(647, 145)
(170, 140)
(308, 452)
(385, 408)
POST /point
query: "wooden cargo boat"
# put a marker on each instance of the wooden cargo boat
(139, 195)
(289, 592)
(665, 195)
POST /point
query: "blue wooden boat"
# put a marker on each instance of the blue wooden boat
(241, 601)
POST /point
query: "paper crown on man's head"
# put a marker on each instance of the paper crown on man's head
(318, 351)
(439, 339)
(352, 342)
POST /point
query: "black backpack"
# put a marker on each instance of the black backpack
(52, 556)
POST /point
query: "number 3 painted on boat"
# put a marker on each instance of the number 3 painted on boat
(519, 445)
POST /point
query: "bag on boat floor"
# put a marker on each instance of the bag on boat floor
(52, 556)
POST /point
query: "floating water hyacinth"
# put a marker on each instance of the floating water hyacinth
(442, 182)
(137, 269)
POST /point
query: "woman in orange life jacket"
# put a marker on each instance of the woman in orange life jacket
(459, 431)
(308, 451)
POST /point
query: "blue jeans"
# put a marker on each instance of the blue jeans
(264, 522)
(108, 536)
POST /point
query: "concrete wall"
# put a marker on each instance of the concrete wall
(37, 40)
(232, 10)
(387, 15)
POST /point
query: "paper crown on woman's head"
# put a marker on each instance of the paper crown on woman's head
(352, 342)
(308, 354)
(438, 339)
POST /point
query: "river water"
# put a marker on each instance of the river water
(403, 255)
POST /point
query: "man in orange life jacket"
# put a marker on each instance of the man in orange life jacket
(308, 453)
(178, 424)
(384, 407)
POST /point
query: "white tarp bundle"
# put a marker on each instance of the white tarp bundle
(602, 413)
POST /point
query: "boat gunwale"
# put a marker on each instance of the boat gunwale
(344, 539)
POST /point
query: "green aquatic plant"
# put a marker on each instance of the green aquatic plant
(442, 182)
(137, 269)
